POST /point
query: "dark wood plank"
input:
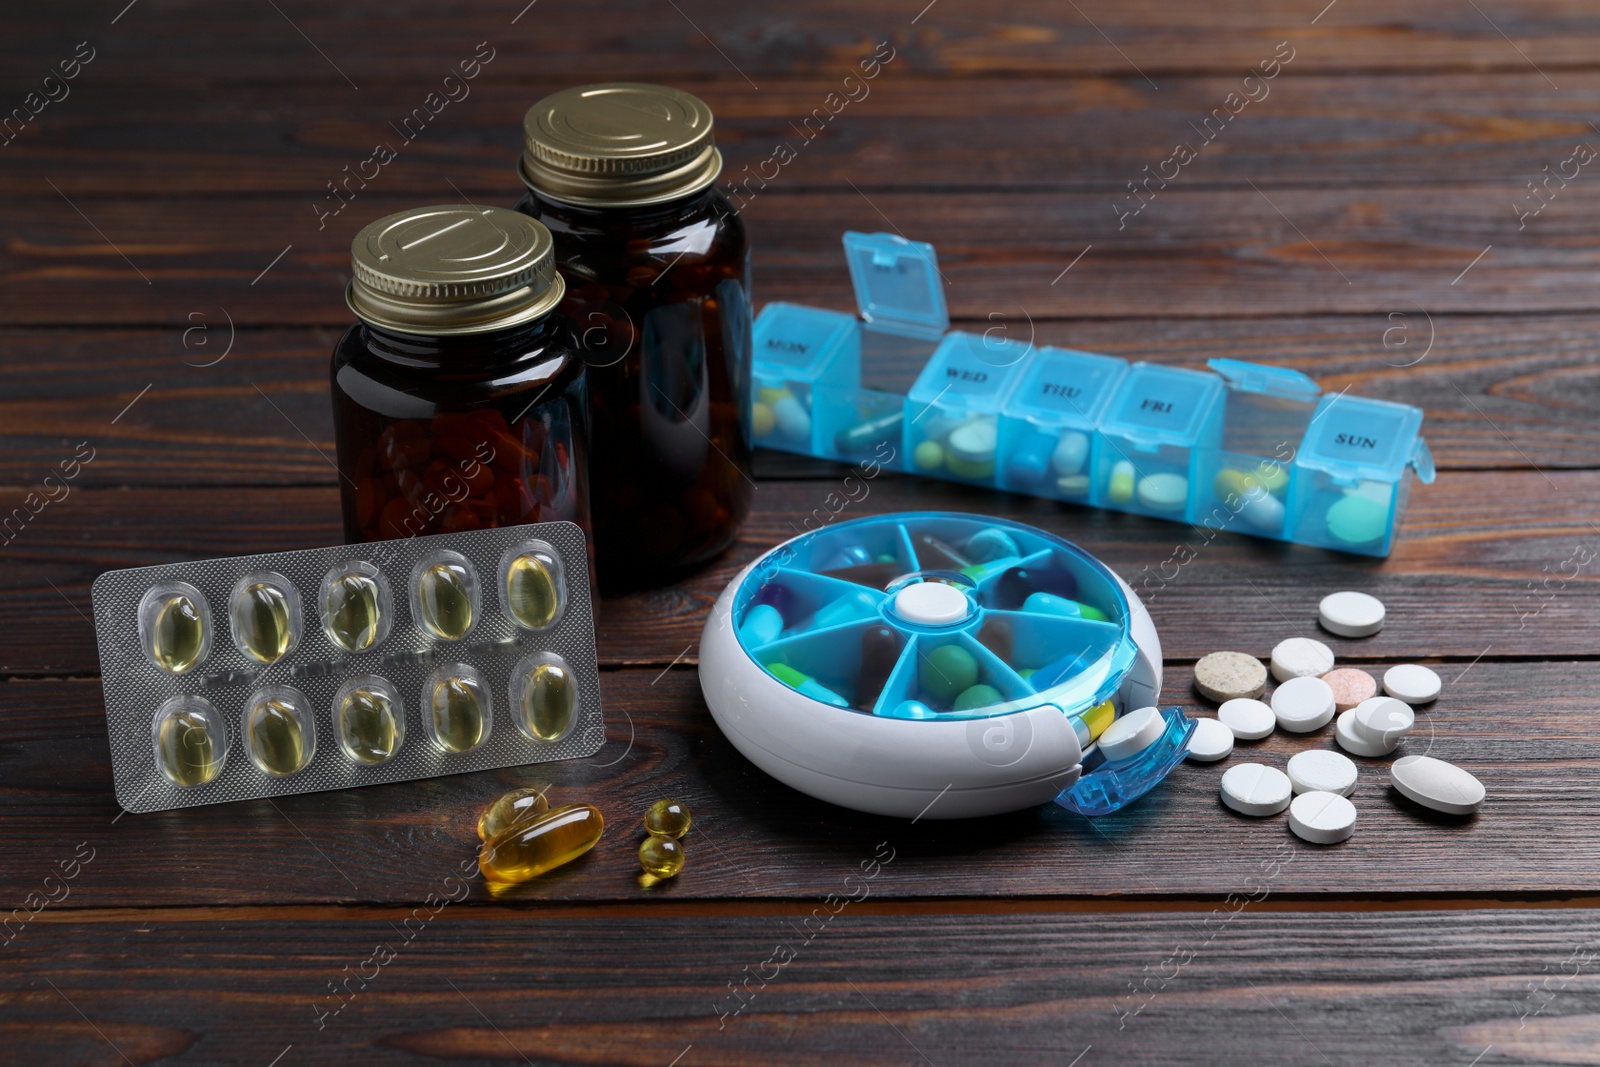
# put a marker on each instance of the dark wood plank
(899, 129)
(1422, 988)
(1208, 253)
(1520, 727)
(1485, 559)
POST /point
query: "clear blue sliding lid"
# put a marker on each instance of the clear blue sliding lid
(897, 283)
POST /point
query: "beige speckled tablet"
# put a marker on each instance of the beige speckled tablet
(1350, 687)
(1225, 676)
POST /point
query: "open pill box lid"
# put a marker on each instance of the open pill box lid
(897, 284)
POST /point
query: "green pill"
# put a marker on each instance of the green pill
(946, 672)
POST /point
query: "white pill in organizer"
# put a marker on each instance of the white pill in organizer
(1384, 720)
(1250, 720)
(1351, 614)
(1344, 732)
(1302, 705)
(1256, 789)
(1321, 771)
(1132, 734)
(1322, 818)
(1412, 682)
(1163, 491)
(1435, 784)
(1301, 657)
(1211, 741)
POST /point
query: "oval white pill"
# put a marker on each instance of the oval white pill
(1435, 784)
(1321, 771)
(1384, 720)
(1301, 657)
(1210, 741)
(1070, 453)
(1163, 491)
(1132, 734)
(1250, 720)
(1322, 818)
(1344, 732)
(1256, 789)
(1351, 614)
(1412, 682)
(1303, 705)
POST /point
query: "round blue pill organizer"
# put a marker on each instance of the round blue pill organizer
(939, 665)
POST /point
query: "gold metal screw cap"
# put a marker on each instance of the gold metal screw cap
(619, 144)
(453, 269)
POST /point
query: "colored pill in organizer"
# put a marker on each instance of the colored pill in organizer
(355, 607)
(1319, 769)
(173, 626)
(971, 447)
(1250, 720)
(859, 604)
(945, 672)
(265, 616)
(792, 419)
(532, 587)
(1412, 683)
(278, 731)
(1224, 676)
(667, 818)
(1119, 490)
(1300, 657)
(543, 843)
(1357, 519)
(762, 623)
(1322, 818)
(992, 544)
(1351, 614)
(1095, 721)
(509, 809)
(1070, 454)
(1435, 784)
(1028, 463)
(864, 437)
(1245, 494)
(191, 742)
(1015, 585)
(1210, 741)
(1256, 790)
(910, 709)
(806, 685)
(1350, 687)
(977, 696)
(1303, 705)
(1132, 734)
(660, 857)
(928, 456)
(370, 719)
(545, 696)
(1163, 491)
(1050, 604)
(880, 651)
(762, 420)
(444, 595)
(458, 708)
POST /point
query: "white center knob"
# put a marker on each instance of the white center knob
(932, 604)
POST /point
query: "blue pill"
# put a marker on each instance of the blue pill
(911, 709)
(848, 608)
(1030, 462)
(1050, 604)
(762, 623)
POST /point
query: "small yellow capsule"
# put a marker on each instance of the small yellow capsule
(660, 857)
(189, 754)
(457, 706)
(179, 634)
(352, 606)
(261, 619)
(531, 593)
(445, 599)
(517, 806)
(548, 698)
(368, 731)
(667, 818)
(529, 849)
(277, 740)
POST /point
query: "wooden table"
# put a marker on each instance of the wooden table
(173, 272)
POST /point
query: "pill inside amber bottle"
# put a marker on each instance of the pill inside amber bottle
(517, 806)
(528, 850)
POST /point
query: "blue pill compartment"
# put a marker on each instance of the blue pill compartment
(1244, 486)
(952, 422)
(1158, 420)
(796, 349)
(1048, 445)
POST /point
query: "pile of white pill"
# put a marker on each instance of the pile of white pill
(1311, 693)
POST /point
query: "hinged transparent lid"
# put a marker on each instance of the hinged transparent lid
(1273, 381)
(897, 283)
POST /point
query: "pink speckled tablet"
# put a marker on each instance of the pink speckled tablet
(1350, 687)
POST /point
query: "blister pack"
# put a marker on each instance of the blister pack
(327, 668)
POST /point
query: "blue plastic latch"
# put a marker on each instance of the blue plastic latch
(897, 283)
(1422, 462)
(1111, 787)
(1273, 381)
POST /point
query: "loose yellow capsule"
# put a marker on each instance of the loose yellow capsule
(529, 849)
(179, 634)
(457, 705)
(277, 739)
(261, 619)
(531, 593)
(445, 600)
(660, 857)
(353, 612)
(368, 731)
(189, 754)
(667, 818)
(548, 698)
(517, 806)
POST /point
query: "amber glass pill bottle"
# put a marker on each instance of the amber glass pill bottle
(658, 289)
(459, 399)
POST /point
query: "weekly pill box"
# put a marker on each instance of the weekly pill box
(1240, 447)
(505, 662)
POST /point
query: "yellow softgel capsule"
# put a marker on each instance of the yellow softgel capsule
(444, 599)
(529, 849)
(1097, 718)
(548, 698)
(660, 857)
(517, 806)
(189, 754)
(1120, 488)
(368, 731)
(531, 593)
(353, 611)
(667, 818)
(261, 619)
(457, 707)
(179, 634)
(277, 739)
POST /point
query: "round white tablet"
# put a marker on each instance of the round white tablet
(1384, 720)
(1132, 734)
(1351, 614)
(1301, 657)
(932, 604)
(1322, 818)
(1318, 770)
(1344, 732)
(1250, 720)
(1164, 491)
(1412, 682)
(1210, 741)
(1435, 784)
(974, 442)
(1256, 789)
(1302, 705)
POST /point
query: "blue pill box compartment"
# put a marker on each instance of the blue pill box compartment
(952, 426)
(1048, 444)
(797, 350)
(1157, 421)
